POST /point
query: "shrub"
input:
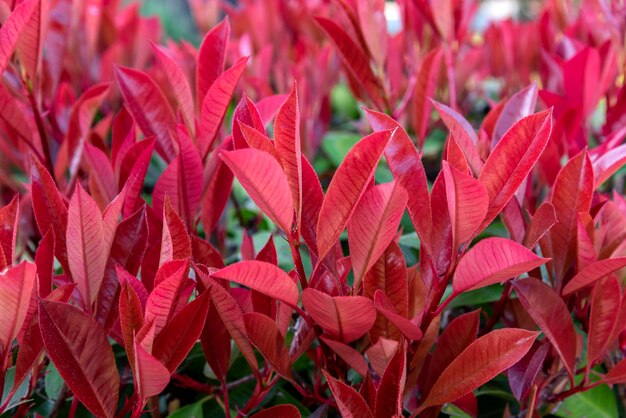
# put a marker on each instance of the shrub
(145, 208)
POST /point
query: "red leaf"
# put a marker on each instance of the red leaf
(232, 316)
(49, 208)
(373, 225)
(389, 395)
(258, 140)
(386, 308)
(520, 105)
(480, 362)
(181, 181)
(264, 180)
(217, 192)
(281, 411)
(522, 374)
(493, 260)
(215, 104)
(130, 317)
(175, 241)
(425, 88)
(348, 354)
(178, 83)
(16, 289)
(262, 277)
(211, 58)
(87, 254)
(572, 193)
(81, 352)
(513, 158)
(593, 273)
(101, 178)
(608, 164)
(287, 142)
(606, 302)
(355, 60)
(467, 204)
(541, 222)
(180, 334)
(246, 113)
(165, 297)
(346, 188)
(463, 134)
(406, 165)
(151, 376)
(12, 29)
(31, 39)
(266, 337)
(149, 107)
(617, 374)
(9, 216)
(215, 341)
(349, 402)
(345, 318)
(44, 259)
(550, 313)
(138, 161)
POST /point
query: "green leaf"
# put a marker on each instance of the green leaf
(53, 382)
(190, 411)
(598, 402)
(336, 145)
(21, 392)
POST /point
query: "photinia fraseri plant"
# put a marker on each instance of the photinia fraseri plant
(180, 234)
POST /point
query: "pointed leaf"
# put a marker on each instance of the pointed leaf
(522, 374)
(349, 402)
(345, 318)
(266, 337)
(541, 222)
(211, 58)
(16, 288)
(520, 105)
(550, 313)
(346, 188)
(606, 302)
(348, 354)
(9, 216)
(81, 352)
(389, 395)
(593, 273)
(264, 180)
(493, 260)
(373, 225)
(151, 376)
(12, 29)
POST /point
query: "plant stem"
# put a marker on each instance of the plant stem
(297, 261)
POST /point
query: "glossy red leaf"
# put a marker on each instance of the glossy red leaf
(480, 362)
(151, 376)
(81, 352)
(217, 191)
(86, 251)
(178, 83)
(164, 299)
(258, 140)
(347, 187)
(608, 164)
(406, 166)
(373, 225)
(130, 316)
(102, 183)
(541, 222)
(617, 374)
(50, 208)
(354, 59)
(606, 302)
(246, 113)
(12, 29)
(287, 142)
(384, 306)
(463, 134)
(572, 193)
(266, 337)
(345, 318)
(522, 374)
(312, 199)
(150, 109)
(425, 88)
(350, 403)
(9, 216)
(389, 395)
(593, 273)
(44, 259)
(348, 354)
(175, 241)
(513, 158)
(493, 260)
(180, 334)
(550, 313)
(467, 204)
(263, 277)
(216, 103)
(264, 180)
(216, 341)
(16, 288)
(520, 105)
(211, 58)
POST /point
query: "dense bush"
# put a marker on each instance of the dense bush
(161, 253)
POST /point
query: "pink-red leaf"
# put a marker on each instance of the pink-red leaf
(520, 105)
(345, 318)
(9, 216)
(211, 58)
(16, 287)
(12, 29)
(348, 354)
(550, 313)
(480, 362)
(151, 376)
(606, 302)
(266, 337)
(513, 159)
(373, 225)
(264, 180)
(81, 352)
(347, 186)
(593, 273)
(349, 402)
(493, 260)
